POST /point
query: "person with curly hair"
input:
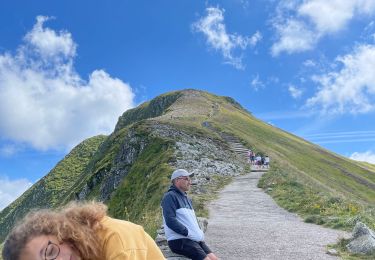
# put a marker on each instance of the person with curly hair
(78, 232)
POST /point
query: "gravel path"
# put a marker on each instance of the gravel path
(245, 223)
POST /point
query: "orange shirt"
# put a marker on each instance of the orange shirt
(123, 240)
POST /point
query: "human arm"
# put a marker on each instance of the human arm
(169, 206)
(142, 247)
(153, 251)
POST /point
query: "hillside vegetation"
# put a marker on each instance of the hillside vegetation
(51, 190)
(130, 169)
(323, 187)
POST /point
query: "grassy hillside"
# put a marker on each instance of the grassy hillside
(51, 190)
(138, 197)
(321, 186)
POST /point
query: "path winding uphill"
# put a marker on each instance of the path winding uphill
(245, 223)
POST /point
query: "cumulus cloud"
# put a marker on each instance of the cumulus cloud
(368, 156)
(45, 103)
(334, 15)
(350, 88)
(213, 27)
(294, 91)
(293, 37)
(300, 25)
(11, 189)
(49, 44)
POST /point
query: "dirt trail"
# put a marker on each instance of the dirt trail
(245, 223)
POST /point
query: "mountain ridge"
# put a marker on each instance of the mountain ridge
(129, 170)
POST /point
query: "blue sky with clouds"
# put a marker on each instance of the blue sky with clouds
(69, 69)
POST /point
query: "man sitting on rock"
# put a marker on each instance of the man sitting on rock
(180, 223)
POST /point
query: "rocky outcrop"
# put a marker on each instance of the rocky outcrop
(161, 241)
(153, 108)
(202, 155)
(199, 154)
(362, 241)
(109, 179)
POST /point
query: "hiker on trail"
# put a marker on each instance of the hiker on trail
(249, 153)
(258, 160)
(267, 161)
(78, 232)
(180, 223)
(252, 158)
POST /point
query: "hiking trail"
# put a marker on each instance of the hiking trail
(245, 223)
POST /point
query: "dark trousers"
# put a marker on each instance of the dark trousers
(192, 249)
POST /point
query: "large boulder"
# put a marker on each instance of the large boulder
(362, 241)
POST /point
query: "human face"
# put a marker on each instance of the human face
(38, 247)
(183, 183)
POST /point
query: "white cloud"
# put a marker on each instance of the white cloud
(332, 16)
(309, 63)
(49, 44)
(213, 27)
(368, 34)
(301, 24)
(293, 37)
(327, 16)
(45, 103)
(256, 83)
(253, 40)
(8, 150)
(294, 91)
(11, 190)
(351, 88)
(368, 156)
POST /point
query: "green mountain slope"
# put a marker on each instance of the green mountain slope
(130, 169)
(52, 188)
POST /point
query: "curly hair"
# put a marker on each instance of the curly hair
(76, 223)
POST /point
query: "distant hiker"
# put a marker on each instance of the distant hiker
(78, 232)
(267, 161)
(258, 160)
(249, 153)
(252, 157)
(180, 223)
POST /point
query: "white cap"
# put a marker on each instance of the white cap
(180, 173)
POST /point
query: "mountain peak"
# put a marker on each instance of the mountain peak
(177, 104)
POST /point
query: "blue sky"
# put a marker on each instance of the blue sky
(69, 69)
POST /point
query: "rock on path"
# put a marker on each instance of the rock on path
(245, 223)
